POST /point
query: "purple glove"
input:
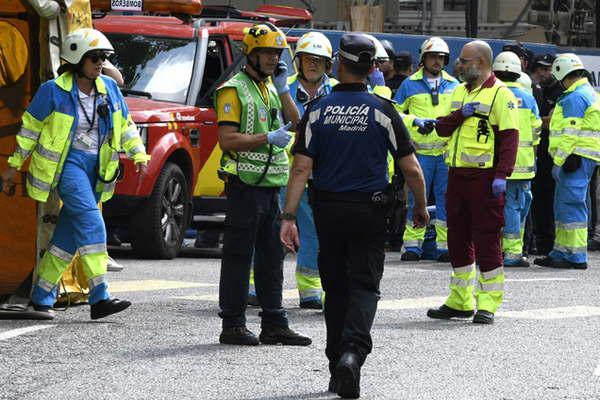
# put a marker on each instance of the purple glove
(498, 187)
(556, 172)
(469, 109)
(376, 78)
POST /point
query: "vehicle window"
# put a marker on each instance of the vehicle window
(215, 65)
(161, 66)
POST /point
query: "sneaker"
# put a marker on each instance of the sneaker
(283, 335)
(238, 336)
(311, 305)
(483, 317)
(444, 257)
(104, 308)
(522, 263)
(113, 266)
(445, 312)
(410, 256)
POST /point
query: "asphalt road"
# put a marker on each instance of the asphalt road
(544, 344)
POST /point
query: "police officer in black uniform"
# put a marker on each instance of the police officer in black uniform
(344, 139)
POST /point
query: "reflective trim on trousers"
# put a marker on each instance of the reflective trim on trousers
(461, 282)
(413, 243)
(464, 270)
(493, 273)
(439, 223)
(97, 281)
(307, 271)
(310, 293)
(511, 235)
(60, 253)
(490, 287)
(511, 256)
(571, 225)
(44, 284)
(92, 248)
(569, 249)
(442, 246)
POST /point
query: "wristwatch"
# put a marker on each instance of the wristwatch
(286, 216)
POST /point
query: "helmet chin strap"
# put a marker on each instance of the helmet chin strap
(256, 67)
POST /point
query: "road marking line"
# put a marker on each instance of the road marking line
(21, 331)
(149, 285)
(597, 370)
(539, 279)
(553, 313)
(290, 294)
(409, 304)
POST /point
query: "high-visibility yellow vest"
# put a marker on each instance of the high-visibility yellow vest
(530, 126)
(472, 143)
(415, 100)
(575, 124)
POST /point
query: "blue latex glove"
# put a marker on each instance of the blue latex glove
(425, 125)
(280, 137)
(556, 172)
(376, 78)
(280, 78)
(498, 187)
(469, 109)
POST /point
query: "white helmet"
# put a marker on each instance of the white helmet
(507, 61)
(435, 45)
(525, 82)
(380, 53)
(316, 44)
(564, 64)
(80, 41)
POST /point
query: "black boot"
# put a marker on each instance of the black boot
(410, 256)
(283, 335)
(238, 335)
(445, 312)
(483, 317)
(311, 305)
(105, 308)
(444, 257)
(562, 264)
(347, 375)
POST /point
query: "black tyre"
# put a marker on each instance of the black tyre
(158, 227)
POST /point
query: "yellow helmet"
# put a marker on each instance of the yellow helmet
(263, 36)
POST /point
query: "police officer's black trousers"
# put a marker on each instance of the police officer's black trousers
(251, 231)
(542, 207)
(351, 257)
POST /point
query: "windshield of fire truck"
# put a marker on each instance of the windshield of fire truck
(156, 65)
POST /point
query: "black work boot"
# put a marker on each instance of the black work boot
(283, 335)
(238, 335)
(445, 312)
(347, 374)
(104, 308)
(544, 261)
(563, 264)
(311, 305)
(410, 256)
(444, 257)
(483, 317)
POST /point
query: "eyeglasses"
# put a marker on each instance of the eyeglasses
(97, 56)
(466, 60)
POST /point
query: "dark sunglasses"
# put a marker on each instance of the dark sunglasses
(96, 56)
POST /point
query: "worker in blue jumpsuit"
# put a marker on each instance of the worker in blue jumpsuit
(344, 139)
(575, 150)
(73, 130)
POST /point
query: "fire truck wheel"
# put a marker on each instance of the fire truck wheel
(158, 227)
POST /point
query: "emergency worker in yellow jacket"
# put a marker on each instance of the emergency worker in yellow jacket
(575, 149)
(483, 130)
(250, 113)
(507, 68)
(421, 98)
(73, 131)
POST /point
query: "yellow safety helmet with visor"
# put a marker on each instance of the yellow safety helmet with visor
(263, 36)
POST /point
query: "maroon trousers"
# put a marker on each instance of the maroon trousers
(475, 219)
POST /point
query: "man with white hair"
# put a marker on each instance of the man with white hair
(484, 137)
